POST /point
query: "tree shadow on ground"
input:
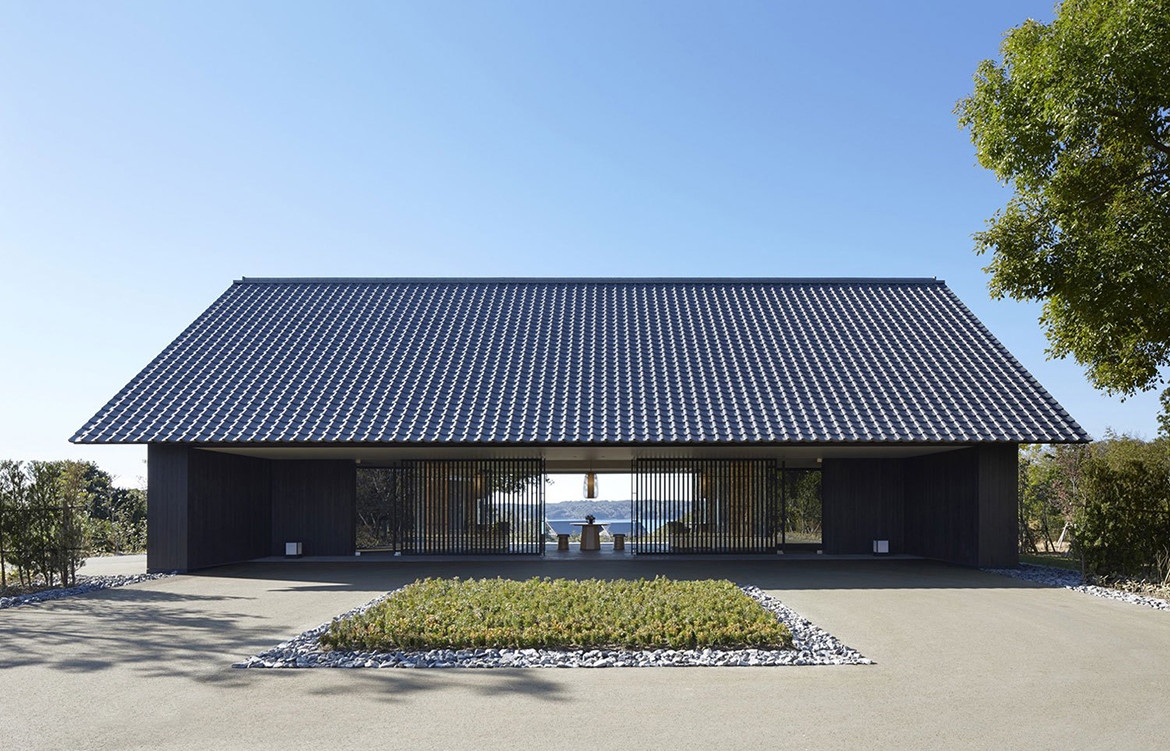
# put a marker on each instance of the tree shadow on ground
(158, 630)
(158, 633)
(150, 631)
(824, 574)
(396, 684)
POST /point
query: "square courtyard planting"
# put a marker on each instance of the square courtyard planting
(561, 614)
(542, 622)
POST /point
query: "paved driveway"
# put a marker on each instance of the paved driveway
(965, 660)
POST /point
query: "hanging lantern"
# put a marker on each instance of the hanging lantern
(591, 485)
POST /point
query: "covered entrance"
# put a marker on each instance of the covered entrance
(676, 506)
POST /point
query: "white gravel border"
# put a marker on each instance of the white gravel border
(88, 584)
(812, 646)
(1059, 577)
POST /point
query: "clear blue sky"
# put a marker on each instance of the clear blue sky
(152, 152)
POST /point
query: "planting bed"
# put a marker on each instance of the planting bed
(563, 623)
(561, 613)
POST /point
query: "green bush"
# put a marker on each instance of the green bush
(1123, 522)
(43, 525)
(1110, 499)
(561, 613)
(53, 513)
(116, 516)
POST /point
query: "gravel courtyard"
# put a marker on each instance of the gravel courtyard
(965, 659)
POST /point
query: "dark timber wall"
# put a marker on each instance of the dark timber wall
(957, 506)
(166, 508)
(229, 508)
(942, 506)
(314, 502)
(862, 502)
(998, 505)
(206, 508)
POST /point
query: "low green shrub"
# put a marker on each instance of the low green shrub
(1123, 522)
(561, 613)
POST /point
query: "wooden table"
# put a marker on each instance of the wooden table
(590, 535)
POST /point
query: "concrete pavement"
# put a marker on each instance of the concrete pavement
(965, 660)
(114, 565)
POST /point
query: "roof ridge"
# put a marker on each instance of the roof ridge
(586, 280)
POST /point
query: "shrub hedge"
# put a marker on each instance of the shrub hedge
(561, 613)
(1123, 522)
(1111, 499)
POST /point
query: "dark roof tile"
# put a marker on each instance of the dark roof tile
(583, 361)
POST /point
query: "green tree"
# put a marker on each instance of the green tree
(40, 519)
(115, 518)
(1123, 523)
(71, 523)
(13, 490)
(1164, 418)
(1076, 118)
(1046, 505)
(43, 521)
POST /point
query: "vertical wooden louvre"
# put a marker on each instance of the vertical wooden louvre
(454, 507)
(705, 506)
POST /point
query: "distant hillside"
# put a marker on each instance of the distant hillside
(578, 509)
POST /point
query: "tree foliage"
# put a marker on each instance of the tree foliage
(1111, 497)
(1123, 525)
(1076, 118)
(802, 505)
(42, 522)
(53, 513)
(1043, 512)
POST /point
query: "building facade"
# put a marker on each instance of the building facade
(421, 415)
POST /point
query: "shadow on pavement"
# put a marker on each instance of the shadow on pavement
(781, 575)
(159, 629)
(160, 633)
(153, 632)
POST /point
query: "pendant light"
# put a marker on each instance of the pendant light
(591, 485)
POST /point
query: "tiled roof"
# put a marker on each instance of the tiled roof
(562, 361)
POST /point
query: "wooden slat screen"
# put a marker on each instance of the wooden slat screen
(705, 506)
(461, 506)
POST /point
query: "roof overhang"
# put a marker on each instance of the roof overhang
(583, 458)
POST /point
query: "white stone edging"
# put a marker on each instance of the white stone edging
(1068, 579)
(88, 584)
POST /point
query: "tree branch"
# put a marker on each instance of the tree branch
(1163, 171)
(1164, 148)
